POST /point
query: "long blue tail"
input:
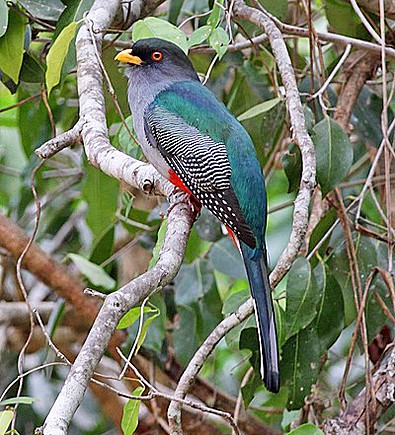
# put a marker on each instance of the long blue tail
(256, 267)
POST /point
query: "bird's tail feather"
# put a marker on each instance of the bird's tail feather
(257, 273)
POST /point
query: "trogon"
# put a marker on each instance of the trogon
(196, 143)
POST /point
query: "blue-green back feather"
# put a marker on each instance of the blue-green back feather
(198, 107)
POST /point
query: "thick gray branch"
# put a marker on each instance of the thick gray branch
(92, 131)
(300, 215)
(114, 307)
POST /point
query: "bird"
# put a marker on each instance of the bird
(192, 139)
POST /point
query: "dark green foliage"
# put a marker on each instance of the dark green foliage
(299, 365)
(106, 232)
(334, 153)
(292, 164)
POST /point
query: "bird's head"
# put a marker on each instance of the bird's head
(159, 59)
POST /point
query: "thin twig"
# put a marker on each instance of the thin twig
(155, 392)
(22, 287)
(19, 103)
(366, 23)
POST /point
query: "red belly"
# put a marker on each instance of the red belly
(176, 180)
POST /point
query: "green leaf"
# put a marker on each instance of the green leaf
(193, 282)
(289, 417)
(299, 365)
(368, 112)
(31, 71)
(3, 17)
(130, 417)
(132, 315)
(120, 85)
(318, 233)
(258, 109)
(302, 297)
(239, 293)
(44, 9)
(74, 11)
(292, 164)
(184, 337)
(199, 35)
(248, 390)
(56, 316)
(11, 46)
(366, 252)
(33, 113)
(101, 194)
(225, 257)
(196, 246)
(219, 40)
(215, 16)
(230, 305)
(174, 10)
(125, 142)
(306, 429)
(159, 243)
(272, 124)
(5, 420)
(249, 340)
(152, 27)
(278, 8)
(22, 400)
(57, 54)
(103, 247)
(208, 313)
(330, 317)
(96, 275)
(334, 153)
(208, 227)
(157, 330)
(144, 329)
(343, 19)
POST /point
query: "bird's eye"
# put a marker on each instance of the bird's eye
(157, 56)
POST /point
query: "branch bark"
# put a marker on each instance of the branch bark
(374, 6)
(114, 307)
(352, 420)
(94, 136)
(48, 271)
(359, 67)
(91, 128)
(300, 215)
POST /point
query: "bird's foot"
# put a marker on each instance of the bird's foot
(190, 199)
(149, 186)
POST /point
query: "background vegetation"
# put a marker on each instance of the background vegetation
(339, 292)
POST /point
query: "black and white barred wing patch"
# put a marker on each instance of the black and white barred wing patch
(202, 165)
(203, 161)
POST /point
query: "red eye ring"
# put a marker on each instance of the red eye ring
(157, 56)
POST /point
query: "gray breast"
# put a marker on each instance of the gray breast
(141, 92)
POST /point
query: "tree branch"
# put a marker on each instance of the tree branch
(358, 68)
(300, 215)
(114, 307)
(92, 131)
(91, 128)
(352, 420)
(47, 270)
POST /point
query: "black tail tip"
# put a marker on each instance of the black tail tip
(272, 382)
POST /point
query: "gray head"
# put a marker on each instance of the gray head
(157, 60)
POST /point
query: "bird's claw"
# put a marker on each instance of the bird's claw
(191, 200)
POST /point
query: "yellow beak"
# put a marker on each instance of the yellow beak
(127, 57)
